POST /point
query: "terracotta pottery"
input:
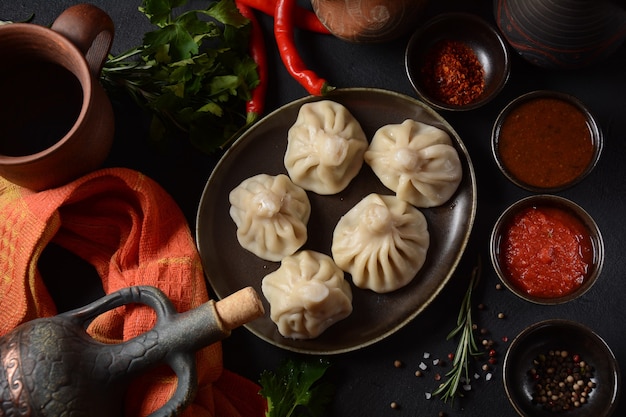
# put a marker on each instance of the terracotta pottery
(562, 34)
(57, 123)
(52, 367)
(368, 20)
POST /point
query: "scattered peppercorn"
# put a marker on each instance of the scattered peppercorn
(561, 381)
(397, 363)
(394, 405)
(498, 286)
(501, 315)
(418, 373)
(452, 73)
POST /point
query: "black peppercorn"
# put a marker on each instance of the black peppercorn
(561, 381)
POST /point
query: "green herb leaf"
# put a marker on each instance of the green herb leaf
(193, 73)
(296, 389)
(159, 11)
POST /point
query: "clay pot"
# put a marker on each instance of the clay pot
(59, 123)
(562, 34)
(368, 20)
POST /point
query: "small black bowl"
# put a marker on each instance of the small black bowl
(552, 158)
(567, 206)
(484, 39)
(576, 339)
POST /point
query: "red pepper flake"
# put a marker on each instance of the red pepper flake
(452, 73)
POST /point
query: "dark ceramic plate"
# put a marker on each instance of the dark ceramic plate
(229, 267)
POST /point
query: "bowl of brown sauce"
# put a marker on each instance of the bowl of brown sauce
(546, 249)
(546, 141)
(457, 61)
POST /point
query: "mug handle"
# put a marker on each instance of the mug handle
(90, 29)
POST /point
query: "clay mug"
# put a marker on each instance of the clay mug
(56, 122)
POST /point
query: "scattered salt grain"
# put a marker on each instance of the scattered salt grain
(422, 366)
(488, 376)
(428, 395)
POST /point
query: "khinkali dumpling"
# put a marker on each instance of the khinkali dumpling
(271, 214)
(382, 242)
(417, 161)
(325, 147)
(307, 294)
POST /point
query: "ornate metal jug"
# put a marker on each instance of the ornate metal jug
(562, 34)
(52, 367)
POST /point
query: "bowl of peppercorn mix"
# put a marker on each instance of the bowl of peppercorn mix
(546, 249)
(561, 367)
(457, 61)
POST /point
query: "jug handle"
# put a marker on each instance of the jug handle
(90, 29)
(182, 363)
(140, 294)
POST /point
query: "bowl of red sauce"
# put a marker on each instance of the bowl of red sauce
(457, 61)
(547, 249)
(561, 367)
(546, 141)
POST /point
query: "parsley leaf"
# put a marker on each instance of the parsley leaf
(296, 389)
(193, 73)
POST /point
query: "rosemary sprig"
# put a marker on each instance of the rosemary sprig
(467, 346)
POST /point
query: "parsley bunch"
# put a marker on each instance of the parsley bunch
(295, 389)
(193, 73)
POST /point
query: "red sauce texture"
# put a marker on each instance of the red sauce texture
(546, 252)
(546, 142)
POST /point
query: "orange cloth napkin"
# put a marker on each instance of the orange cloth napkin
(133, 233)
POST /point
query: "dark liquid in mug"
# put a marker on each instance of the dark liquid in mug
(40, 103)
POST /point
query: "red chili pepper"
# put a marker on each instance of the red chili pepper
(284, 34)
(304, 19)
(256, 104)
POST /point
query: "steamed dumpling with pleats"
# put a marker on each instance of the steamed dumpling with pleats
(307, 294)
(417, 161)
(382, 242)
(271, 214)
(325, 147)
